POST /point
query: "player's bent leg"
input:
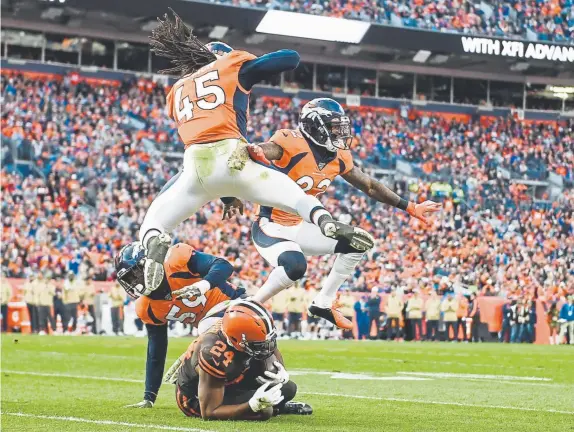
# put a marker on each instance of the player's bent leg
(171, 207)
(273, 243)
(347, 259)
(188, 404)
(272, 188)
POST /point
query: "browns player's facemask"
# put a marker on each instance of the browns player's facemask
(261, 350)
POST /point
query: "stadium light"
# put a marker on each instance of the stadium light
(312, 27)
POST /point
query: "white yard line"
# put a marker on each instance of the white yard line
(101, 378)
(63, 375)
(474, 376)
(427, 402)
(105, 422)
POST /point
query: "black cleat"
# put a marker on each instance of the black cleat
(295, 408)
(357, 237)
(332, 315)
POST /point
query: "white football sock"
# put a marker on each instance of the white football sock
(275, 283)
(306, 205)
(343, 268)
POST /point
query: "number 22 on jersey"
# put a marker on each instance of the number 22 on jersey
(209, 96)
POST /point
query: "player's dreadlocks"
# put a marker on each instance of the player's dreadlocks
(174, 40)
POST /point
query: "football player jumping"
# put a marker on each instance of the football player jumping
(224, 374)
(313, 155)
(194, 291)
(209, 104)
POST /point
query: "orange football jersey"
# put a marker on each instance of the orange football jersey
(210, 105)
(178, 275)
(300, 164)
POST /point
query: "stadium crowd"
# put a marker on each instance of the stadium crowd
(548, 19)
(102, 171)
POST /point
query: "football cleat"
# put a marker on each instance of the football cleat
(295, 408)
(357, 237)
(154, 272)
(143, 404)
(332, 315)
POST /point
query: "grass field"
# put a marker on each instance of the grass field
(81, 384)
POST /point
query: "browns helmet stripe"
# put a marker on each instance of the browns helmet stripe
(260, 312)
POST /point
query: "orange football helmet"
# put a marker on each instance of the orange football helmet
(249, 327)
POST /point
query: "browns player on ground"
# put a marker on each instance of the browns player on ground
(224, 374)
(313, 156)
(194, 291)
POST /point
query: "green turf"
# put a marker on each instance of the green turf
(453, 403)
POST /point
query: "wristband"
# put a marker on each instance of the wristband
(402, 204)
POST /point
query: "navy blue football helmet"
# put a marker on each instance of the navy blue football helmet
(219, 48)
(324, 122)
(130, 269)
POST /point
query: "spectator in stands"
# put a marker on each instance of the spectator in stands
(461, 314)
(553, 321)
(474, 317)
(448, 308)
(6, 296)
(567, 318)
(514, 324)
(73, 290)
(296, 301)
(362, 317)
(30, 291)
(278, 309)
(432, 316)
(117, 297)
(507, 314)
(532, 320)
(374, 309)
(523, 321)
(60, 308)
(394, 308)
(346, 302)
(415, 315)
(46, 289)
(87, 298)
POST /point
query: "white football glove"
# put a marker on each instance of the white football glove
(191, 291)
(266, 397)
(171, 374)
(143, 404)
(281, 377)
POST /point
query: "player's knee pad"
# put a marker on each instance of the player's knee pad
(294, 263)
(345, 263)
(289, 390)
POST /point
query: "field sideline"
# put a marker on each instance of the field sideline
(81, 383)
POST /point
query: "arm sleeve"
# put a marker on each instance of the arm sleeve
(213, 269)
(155, 363)
(257, 70)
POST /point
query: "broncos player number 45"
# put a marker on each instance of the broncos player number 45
(204, 90)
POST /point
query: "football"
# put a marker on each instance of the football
(268, 364)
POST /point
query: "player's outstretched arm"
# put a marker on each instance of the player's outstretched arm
(264, 67)
(211, 391)
(383, 194)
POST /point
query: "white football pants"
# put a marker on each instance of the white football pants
(206, 177)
